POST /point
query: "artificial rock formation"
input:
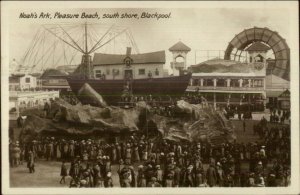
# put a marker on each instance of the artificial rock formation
(197, 123)
(189, 123)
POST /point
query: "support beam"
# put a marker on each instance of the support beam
(249, 81)
(215, 82)
(228, 82)
(215, 103)
(241, 82)
(91, 51)
(100, 39)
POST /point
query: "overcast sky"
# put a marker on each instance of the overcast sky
(199, 28)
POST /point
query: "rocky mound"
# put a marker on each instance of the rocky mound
(189, 123)
(201, 123)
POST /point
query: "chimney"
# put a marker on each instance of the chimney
(128, 51)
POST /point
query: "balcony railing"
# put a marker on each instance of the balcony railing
(225, 88)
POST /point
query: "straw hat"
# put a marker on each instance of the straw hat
(108, 174)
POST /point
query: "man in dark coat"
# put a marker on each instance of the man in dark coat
(177, 172)
(211, 176)
(97, 176)
(63, 172)
(30, 162)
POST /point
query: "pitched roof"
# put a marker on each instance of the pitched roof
(179, 47)
(220, 67)
(52, 73)
(116, 59)
(37, 75)
(258, 46)
(17, 75)
(285, 94)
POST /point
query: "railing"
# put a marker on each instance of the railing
(126, 104)
(225, 88)
(16, 93)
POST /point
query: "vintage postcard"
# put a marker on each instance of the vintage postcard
(150, 97)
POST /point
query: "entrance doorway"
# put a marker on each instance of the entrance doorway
(128, 74)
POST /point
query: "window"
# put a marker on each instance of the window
(208, 82)
(259, 58)
(142, 71)
(156, 72)
(116, 72)
(258, 83)
(98, 74)
(27, 80)
(196, 82)
(107, 71)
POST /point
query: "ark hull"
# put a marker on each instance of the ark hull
(112, 90)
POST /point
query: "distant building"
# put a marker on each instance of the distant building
(22, 82)
(275, 86)
(235, 83)
(53, 79)
(136, 66)
(179, 51)
(22, 100)
(284, 100)
(225, 82)
(257, 52)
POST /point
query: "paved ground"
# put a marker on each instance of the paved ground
(247, 136)
(48, 173)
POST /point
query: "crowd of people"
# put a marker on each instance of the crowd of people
(153, 162)
(145, 163)
(69, 97)
(279, 116)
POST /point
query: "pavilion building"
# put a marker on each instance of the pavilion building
(227, 82)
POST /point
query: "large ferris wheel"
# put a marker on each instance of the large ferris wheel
(281, 50)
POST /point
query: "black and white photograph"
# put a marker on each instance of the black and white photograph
(186, 98)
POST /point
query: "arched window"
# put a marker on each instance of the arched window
(179, 59)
